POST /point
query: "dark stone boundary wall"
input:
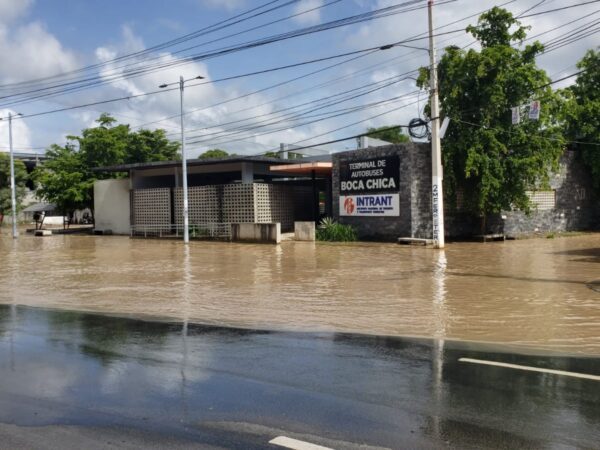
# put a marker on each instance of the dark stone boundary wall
(577, 205)
(415, 188)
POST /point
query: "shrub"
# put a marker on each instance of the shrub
(329, 230)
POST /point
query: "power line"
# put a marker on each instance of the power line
(103, 79)
(350, 20)
(512, 132)
(320, 70)
(382, 84)
(202, 31)
(560, 9)
(129, 97)
(331, 114)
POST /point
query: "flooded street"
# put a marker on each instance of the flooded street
(536, 293)
(74, 380)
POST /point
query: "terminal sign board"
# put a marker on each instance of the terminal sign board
(370, 187)
(370, 175)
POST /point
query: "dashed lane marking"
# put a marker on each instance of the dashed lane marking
(295, 444)
(531, 369)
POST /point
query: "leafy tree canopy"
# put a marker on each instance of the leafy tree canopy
(67, 179)
(20, 180)
(272, 155)
(389, 134)
(582, 112)
(214, 153)
(490, 160)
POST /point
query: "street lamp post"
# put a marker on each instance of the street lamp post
(186, 220)
(13, 193)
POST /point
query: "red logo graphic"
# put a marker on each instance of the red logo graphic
(349, 205)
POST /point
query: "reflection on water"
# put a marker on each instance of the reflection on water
(533, 293)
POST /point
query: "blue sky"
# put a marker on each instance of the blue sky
(42, 37)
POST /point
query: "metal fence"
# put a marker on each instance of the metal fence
(197, 231)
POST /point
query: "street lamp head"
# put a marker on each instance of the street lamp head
(163, 85)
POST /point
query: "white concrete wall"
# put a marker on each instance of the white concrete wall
(256, 232)
(304, 231)
(112, 206)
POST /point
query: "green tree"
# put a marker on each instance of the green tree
(272, 155)
(20, 189)
(150, 145)
(389, 134)
(214, 153)
(67, 177)
(582, 112)
(490, 160)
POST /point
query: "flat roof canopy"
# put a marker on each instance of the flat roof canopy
(256, 160)
(307, 168)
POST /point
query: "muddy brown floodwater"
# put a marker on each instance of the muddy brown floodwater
(535, 293)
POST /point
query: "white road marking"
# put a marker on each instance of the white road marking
(531, 369)
(295, 444)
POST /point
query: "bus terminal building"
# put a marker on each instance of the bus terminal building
(384, 192)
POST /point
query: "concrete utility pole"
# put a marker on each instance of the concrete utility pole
(437, 175)
(186, 220)
(13, 190)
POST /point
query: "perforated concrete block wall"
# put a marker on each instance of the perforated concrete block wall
(238, 203)
(274, 204)
(204, 204)
(151, 206)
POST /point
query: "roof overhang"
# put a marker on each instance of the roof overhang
(307, 168)
(231, 160)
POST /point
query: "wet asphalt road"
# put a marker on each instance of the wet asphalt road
(75, 380)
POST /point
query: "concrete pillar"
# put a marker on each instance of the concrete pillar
(328, 198)
(247, 173)
(315, 192)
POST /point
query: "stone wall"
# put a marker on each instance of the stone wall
(415, 187)
(576, 208)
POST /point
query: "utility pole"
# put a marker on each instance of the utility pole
(13, 192)
(437, 175)
(186, 220)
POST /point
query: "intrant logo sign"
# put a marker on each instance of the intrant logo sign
(349, 206)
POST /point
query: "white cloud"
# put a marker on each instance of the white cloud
(229, 5)
(312, 17)
(13, 9)
(20, 131)
(30, 52)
